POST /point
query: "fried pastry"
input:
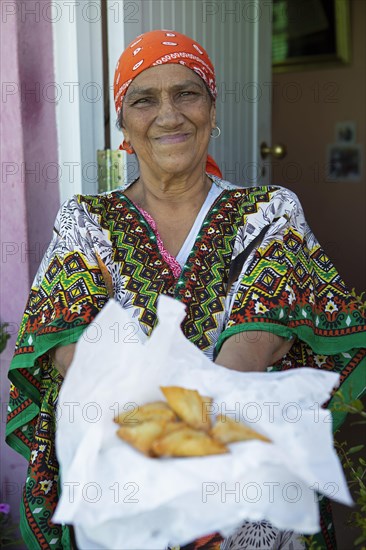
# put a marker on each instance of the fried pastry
(143, 434)
(187, 442)
(153, 410)
(189, 405)
(227, 430)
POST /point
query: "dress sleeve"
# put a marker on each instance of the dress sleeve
(289, 287)
(68, 291)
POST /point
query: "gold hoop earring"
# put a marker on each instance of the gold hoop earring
(218, 132)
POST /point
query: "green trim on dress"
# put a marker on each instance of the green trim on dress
(326, 345)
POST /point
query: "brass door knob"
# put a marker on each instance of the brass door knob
(277, 151)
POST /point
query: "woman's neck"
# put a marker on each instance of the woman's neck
(170, 193)
(173, 204)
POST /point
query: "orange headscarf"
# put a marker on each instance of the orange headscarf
(155, 48)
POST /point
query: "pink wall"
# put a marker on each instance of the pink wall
(28, 202)
(335, 211)
(35, 51)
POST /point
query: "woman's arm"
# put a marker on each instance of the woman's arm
(252, 351)
(63, 357)
(246, 351)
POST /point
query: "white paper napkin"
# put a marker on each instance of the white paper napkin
(117, 498)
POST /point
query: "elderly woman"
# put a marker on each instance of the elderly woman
(258, 289)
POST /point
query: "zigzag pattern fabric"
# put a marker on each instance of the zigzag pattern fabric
(102, 246)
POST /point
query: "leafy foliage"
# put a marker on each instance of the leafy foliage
(355, 471)
(3, 336)
(8, 530)
(354, 467)
(311, 543)
(359, 300)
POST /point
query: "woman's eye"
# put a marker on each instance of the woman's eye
(188, 93)
(142, 101)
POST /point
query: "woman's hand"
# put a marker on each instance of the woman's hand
(252, 351)
(63, 357)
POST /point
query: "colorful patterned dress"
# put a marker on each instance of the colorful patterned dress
(255, 265)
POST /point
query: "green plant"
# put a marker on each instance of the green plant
(8, 529)
(359, 300)
(355, 471)
(354, 467)
(4, 336)
(311, 543)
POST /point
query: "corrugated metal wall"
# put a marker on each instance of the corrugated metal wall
(226, 30)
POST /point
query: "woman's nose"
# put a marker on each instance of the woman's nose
(169, 114)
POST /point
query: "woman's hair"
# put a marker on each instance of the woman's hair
(119, 121)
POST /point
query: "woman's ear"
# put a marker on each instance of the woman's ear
(125, 133)
(120, 119)
(126, 145)
(213, 115)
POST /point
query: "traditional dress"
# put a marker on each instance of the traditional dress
(254, 265)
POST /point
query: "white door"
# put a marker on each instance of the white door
(237, 36)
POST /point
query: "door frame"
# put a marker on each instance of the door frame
(77, 49)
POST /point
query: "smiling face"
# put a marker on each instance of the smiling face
(168, 116)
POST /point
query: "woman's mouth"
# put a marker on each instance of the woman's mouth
(171, 139)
